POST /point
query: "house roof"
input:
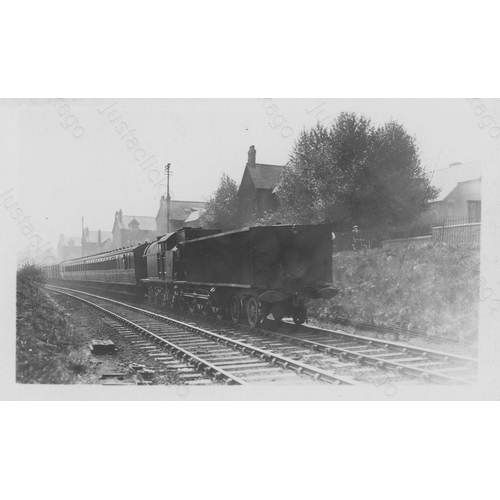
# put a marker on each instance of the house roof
(93, 236)
(64, 240)
(447, 178)
(264, 176)
(194, 216)
(180, 210)
(145, 223)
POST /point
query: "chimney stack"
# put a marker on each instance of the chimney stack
(251, 157)
(120, 213)
(99, 237)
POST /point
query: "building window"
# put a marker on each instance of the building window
(474, 210)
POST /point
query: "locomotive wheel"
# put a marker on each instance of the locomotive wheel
(169, 299)
(299, 316)
(218, 312)
(200, 304)
(177, 302)
(192, 305)
(204, 308)
(182, 302)
(235, 309)
(253, 312)
(166, 300)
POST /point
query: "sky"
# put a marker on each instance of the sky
(88, 158)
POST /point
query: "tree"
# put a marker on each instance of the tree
(353, 173)
(222, 210)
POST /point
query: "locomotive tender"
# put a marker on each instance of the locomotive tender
(247, 273)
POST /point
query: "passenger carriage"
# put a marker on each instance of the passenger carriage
(123, 266)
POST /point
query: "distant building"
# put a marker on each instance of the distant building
(460, 195)
(256, 188)
(69, 247)
(180, 211)
(135, 229)
(96, 241)
(193, 220)
(132, 229)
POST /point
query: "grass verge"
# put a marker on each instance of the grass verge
(428, 288)
(44, 336)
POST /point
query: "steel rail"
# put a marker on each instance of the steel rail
(391, 329)
(186, 356)
(275, 359)
(372, 360)
(385, 344)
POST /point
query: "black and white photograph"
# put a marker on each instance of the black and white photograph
(293, 244)
(210, 293)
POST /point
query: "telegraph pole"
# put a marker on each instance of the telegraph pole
(167, 173)
(83, 237)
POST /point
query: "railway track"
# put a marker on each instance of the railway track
(400, 359)
(363, 356)
(211, 355)
(350, 357)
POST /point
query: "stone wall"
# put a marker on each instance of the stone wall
(417, 241)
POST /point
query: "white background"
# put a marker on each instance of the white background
(234, 449)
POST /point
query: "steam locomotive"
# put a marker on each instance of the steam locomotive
(243, 274)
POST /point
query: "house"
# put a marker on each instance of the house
(96, 241)
(460, 192)
(69, 247)
(193, 219)
(133, 229)
(179, 211)
(256, 188)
